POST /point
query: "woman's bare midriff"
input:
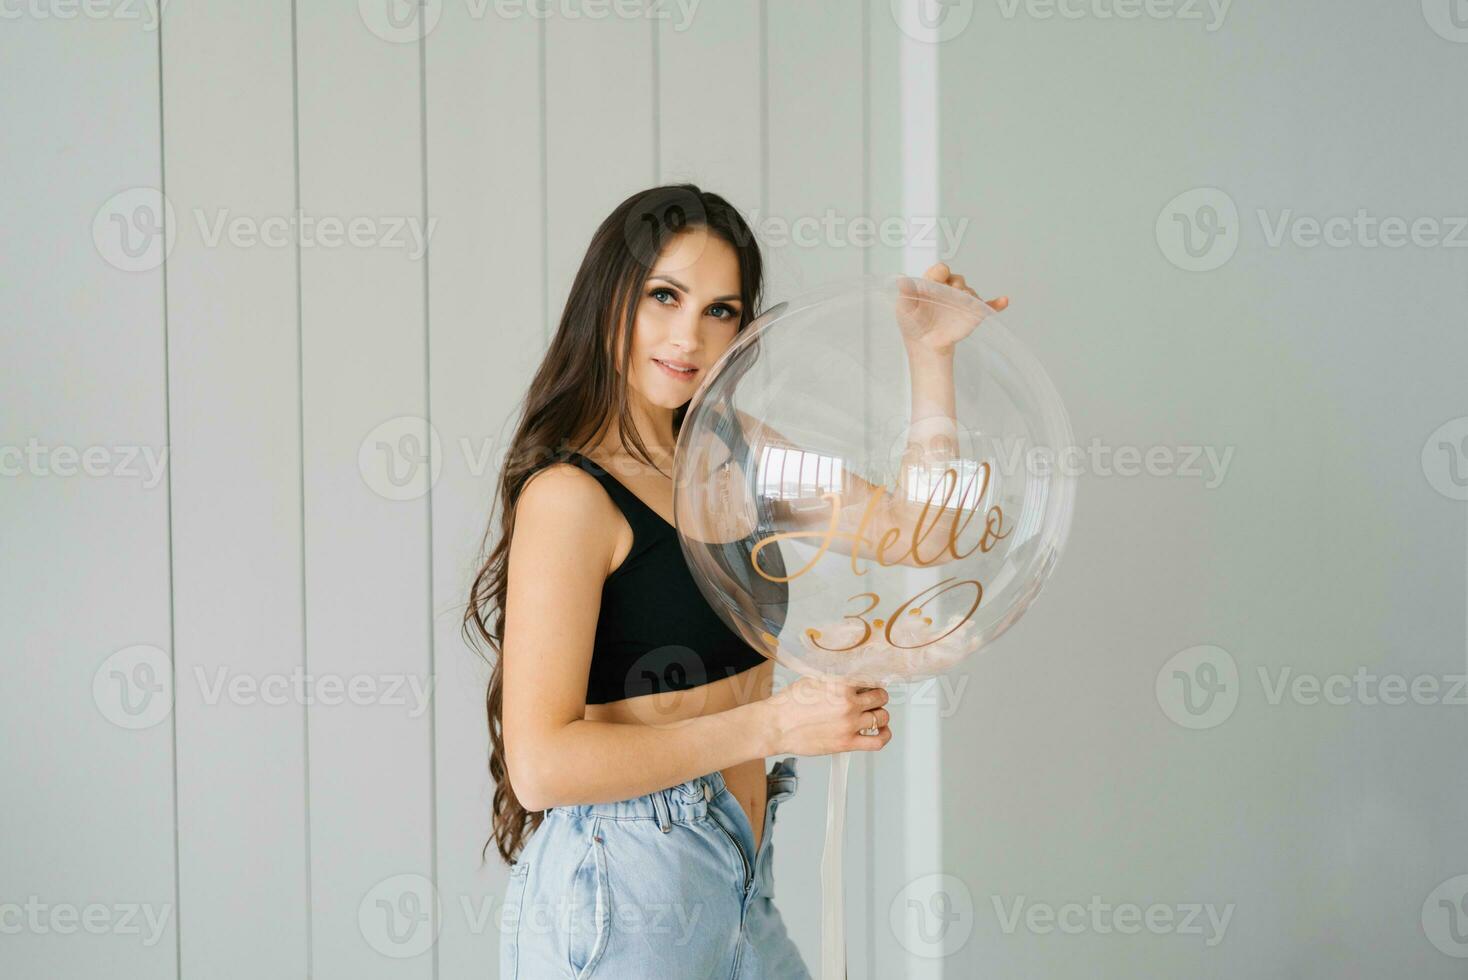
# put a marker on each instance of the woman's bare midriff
(745, 780)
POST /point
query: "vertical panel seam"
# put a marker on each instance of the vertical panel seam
(168, 521)
(869, 763)
(428, 497)
(301, 496)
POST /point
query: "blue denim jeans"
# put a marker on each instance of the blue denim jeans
(661, 886)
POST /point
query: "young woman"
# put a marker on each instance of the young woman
(629, 726)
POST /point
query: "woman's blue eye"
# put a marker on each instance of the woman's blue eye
(724, 311)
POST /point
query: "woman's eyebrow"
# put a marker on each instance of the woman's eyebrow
(672, 281)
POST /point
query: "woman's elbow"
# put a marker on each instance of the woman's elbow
(529, 792)
(528, 799)
(531, 778)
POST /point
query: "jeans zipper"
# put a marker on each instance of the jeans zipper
(748, 880)
(739, 850)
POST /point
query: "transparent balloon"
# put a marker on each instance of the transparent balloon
(871, 484)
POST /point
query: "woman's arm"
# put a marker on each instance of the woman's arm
(560, 553)
(933, 432)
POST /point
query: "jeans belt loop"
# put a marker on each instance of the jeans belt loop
(664, 811)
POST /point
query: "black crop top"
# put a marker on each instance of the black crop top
(655, 630)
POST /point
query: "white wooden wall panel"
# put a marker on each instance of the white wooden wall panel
(815, 126)
(599, 131)
(89, 815)
(235, 418)
(709, 103)
(487, 329)
(367, 555)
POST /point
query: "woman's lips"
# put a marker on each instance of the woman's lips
(673, 373)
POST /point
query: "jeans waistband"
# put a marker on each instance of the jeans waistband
(688, 800)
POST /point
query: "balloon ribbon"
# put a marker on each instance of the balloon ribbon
(833, 937)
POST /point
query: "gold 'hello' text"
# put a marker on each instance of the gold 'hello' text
(922, 527)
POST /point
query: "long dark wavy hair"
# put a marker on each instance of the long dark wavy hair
(571, 399)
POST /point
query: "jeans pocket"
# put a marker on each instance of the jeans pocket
(510, 912)
(590, 919)
(782, 785)
(767, 873)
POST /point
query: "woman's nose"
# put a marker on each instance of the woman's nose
(685, 332)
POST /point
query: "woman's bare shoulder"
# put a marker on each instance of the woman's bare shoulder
(565, 490)
(563, 513)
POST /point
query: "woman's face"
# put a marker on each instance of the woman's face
(687, 316)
